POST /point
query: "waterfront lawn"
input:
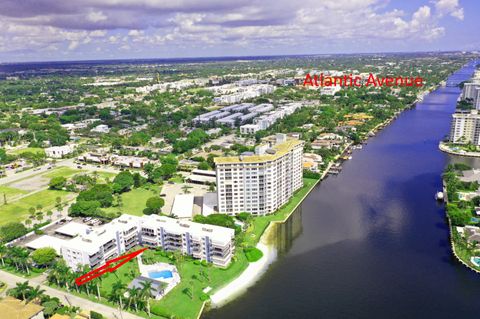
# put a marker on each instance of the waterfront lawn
(18, 210)
(259, 224)
(135, 201)
(186, 299)
(125, 274)
(253, 254)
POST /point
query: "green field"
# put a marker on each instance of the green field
(18, 210)
(69, 172)
(134, 201)
(62, 171)
(27, 149)
(10, 192)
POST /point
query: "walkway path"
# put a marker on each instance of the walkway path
(68, 298)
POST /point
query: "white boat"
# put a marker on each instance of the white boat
(439, 196)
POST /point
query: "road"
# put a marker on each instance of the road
(68, 298)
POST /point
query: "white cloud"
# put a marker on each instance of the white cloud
(73, 45)
(145, 24)
(96, 16)
(451, 7)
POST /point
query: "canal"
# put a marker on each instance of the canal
(372, 242)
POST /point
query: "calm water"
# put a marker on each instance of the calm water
(372, 242)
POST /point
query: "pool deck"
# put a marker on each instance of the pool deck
(171, 282)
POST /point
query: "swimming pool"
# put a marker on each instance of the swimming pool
(475, 261)
(163, 274)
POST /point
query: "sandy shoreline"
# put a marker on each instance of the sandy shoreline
(247, 278)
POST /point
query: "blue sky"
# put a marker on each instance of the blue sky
(41, 30)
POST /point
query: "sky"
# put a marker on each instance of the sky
(58, 30)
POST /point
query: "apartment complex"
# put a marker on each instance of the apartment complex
(465, 127)
(471, 90)
(259, 183)
(207, 242)
(268, 119)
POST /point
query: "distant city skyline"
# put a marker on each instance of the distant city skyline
(48, 30)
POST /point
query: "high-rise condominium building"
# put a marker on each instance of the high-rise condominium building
(465, 127)
(259, 183)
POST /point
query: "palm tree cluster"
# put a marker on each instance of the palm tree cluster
(23, 291)
(17, 257)
(62, 276)
(136, 299)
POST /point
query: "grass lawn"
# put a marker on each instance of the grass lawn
(134, 201)
(27, 149)
(62, 171)
(18, 210)
(103, 176)
(34, 272)
(259, 224)
(195, 276)
(10, 192)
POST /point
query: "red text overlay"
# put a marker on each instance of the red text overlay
(357, 81)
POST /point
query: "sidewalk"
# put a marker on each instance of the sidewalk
(68, 298)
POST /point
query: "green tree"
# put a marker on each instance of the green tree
(44, 256)
(85, 208)
(100, 192)
(154, 205)
(57, 183)
(12, 231)
(123, 182)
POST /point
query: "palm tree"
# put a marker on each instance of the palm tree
(3, 253)
(146, 293)
(191, 288)
(35, 294)
(186, 188)
(22, 289)
(133, 296)
(118, 289)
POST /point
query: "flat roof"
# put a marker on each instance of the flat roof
(210, 200)
(202, 178)
(281, 149)
(216, 233)
(47, 241)
(72, 229)
(183, 206)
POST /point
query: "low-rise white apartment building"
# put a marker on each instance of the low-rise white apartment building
(260, 183)
(59, 151)
(207, 242)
